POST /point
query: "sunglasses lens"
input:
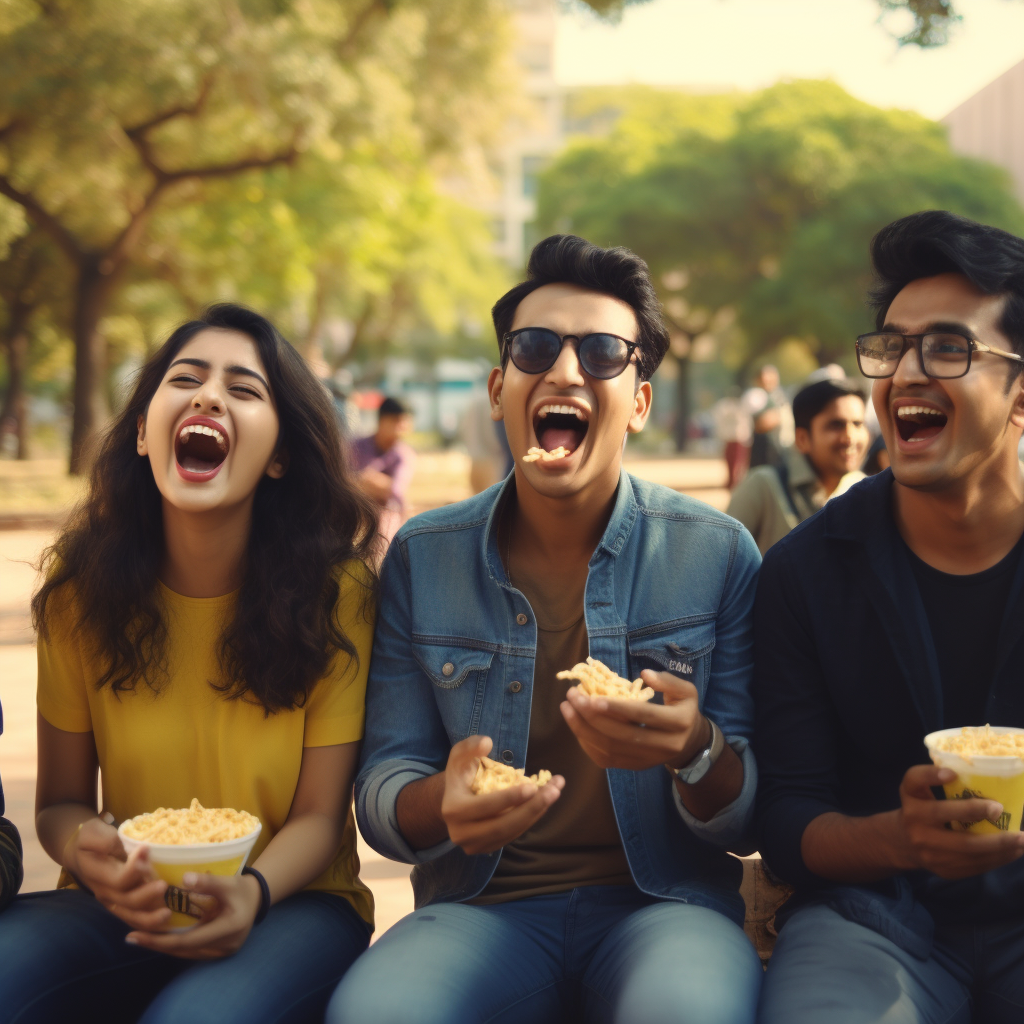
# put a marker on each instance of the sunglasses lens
(603, 355)
(535, 349)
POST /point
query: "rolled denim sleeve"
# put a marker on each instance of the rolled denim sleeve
(729, 701)
(405, 739)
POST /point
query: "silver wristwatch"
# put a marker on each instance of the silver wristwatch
(703, 763)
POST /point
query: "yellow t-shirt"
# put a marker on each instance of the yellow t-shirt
(162, 748)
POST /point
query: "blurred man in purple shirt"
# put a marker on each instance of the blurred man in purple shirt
(385, 463)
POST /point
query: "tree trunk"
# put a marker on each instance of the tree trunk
(681, 428)
(313, 346)
(15, 404)
(92, 293)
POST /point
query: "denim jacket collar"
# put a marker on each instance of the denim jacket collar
(616, 533)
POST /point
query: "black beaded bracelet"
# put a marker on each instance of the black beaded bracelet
(264, 893)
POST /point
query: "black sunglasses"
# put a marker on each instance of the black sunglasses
(536, 349)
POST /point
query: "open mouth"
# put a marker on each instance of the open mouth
(200, 447)
(560, 426)
(919, 422)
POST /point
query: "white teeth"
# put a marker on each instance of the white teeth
(906, 411)
(562, 410)
(197, 428)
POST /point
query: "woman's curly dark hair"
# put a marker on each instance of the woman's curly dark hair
(305, 527)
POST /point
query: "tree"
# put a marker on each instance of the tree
(758, 209)
(112, 110)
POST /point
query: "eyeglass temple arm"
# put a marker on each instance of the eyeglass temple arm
(981, 347)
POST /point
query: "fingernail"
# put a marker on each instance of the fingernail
(994, 810)
(601, 705)
(946, 775)
(131, 941)
(189, 878)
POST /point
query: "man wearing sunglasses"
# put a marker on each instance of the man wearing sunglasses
(897, 611)
(607, 893)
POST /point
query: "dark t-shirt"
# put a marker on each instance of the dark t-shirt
(577, 841)
(965, 614)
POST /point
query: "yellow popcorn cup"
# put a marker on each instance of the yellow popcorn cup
(990, 777)
(171, 861)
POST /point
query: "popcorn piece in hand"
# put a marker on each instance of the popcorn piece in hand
(493, 775)
(597, 680)
(546, 456)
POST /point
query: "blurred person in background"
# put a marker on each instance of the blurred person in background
(11, 868)
(831, 440)
(769, 409)
(877, 458)
(490, 459)
(384, 464)
(733, 427)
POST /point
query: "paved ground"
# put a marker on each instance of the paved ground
(441, 478)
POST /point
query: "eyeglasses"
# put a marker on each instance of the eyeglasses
(942, 355)
(536, 349)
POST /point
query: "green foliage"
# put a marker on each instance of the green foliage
(285, 152)
(933, 20)
(764, 205)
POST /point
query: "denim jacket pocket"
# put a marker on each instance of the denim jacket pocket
(684, 651)
(458, 675)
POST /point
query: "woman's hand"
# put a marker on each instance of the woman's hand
(224, 926)
(127, 887)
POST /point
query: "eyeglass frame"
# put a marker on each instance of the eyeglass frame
(631, 347)
(916, 341)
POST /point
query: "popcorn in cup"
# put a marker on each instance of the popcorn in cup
(207, 840)
(989, 763)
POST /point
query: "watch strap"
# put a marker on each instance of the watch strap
(703, 763)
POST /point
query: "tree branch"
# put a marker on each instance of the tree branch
(181, 110)
(285, 156)
(128, 238)
(138, 134)
(346, 47)
(53, 227)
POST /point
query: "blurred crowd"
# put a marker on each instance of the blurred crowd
(787, 458)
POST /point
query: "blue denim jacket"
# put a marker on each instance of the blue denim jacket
(670, 587)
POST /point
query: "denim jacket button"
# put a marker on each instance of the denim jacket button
(447, 668)
(507, 756)
(521, 619)
(515, 686)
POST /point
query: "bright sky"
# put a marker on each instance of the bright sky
(747, 44)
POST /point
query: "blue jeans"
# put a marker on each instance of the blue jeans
(63, 957)
(599, 954)
(825, 968)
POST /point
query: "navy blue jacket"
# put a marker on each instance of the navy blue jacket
(846, 685)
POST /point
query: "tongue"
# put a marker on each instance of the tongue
(197, 465)
(552, 438)
(924, 433)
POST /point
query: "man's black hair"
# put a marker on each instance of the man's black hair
(938, 242)
(391, 407)
(568, 259)
(812, 399)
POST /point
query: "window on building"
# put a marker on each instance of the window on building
(532, 166)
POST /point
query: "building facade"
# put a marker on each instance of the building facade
(990, 125)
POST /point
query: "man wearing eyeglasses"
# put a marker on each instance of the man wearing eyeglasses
(898, 611)
(607, 893)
